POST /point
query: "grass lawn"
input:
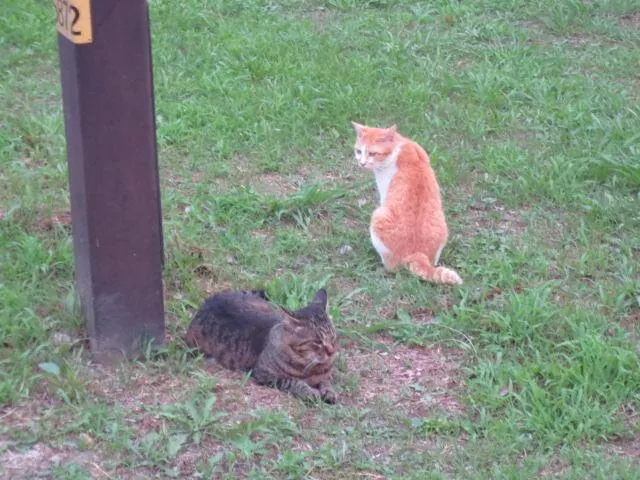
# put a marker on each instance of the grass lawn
(530, 111)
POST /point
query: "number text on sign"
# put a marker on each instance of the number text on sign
(73, 20)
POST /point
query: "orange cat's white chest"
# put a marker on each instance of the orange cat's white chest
(385, 173)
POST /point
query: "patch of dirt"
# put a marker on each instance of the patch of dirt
(631, 321)
(489, 215)
(237, 393)
(243, 173)
(187, 460)
(236, 396)
(541, 36)
(28, 412)
(140, 387)
(51, 221)
(40, 458)
(555, 468)
(496, 293)
(510, 220)
(321, 17)
(234, 392)
(27, 463)
(631, 20)
(480, 213)
(578, 39)
(532, 25)
(355, 224)
(320, 14)
(625, 447)
(523, 138)
(276, 184)
(418, 380)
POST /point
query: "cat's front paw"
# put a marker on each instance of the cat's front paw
(328, 394)
(311, 394)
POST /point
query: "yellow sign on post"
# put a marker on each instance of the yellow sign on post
(73, 19)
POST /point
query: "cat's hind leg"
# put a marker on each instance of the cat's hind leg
(420, 264)
(380, 222)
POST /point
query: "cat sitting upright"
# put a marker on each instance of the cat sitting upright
(290, 350)
(409, 227)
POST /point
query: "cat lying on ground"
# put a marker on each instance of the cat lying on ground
(290, 350)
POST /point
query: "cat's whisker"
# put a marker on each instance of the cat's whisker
(309, 366)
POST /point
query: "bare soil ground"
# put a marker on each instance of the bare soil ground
(416, 381)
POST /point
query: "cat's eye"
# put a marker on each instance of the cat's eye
(358, 152)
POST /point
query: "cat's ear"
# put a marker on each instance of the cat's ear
(358, 128)
(321, 298)
(390, 133)
(291, 319)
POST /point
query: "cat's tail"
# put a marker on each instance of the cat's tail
(420, 264)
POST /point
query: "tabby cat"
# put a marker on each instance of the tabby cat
(409, 227)
(290, 350)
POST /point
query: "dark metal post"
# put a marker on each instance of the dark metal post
(107, 92)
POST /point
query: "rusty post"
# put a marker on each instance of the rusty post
(107, 93)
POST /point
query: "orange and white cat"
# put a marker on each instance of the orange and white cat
(409, 227)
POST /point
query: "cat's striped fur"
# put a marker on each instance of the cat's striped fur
(290, 350)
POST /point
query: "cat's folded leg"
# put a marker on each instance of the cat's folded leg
(390, 262)
(299, 389)
(380, 222)
(295, 387)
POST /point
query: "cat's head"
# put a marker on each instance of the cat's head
(374, 146)
(309, 332)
